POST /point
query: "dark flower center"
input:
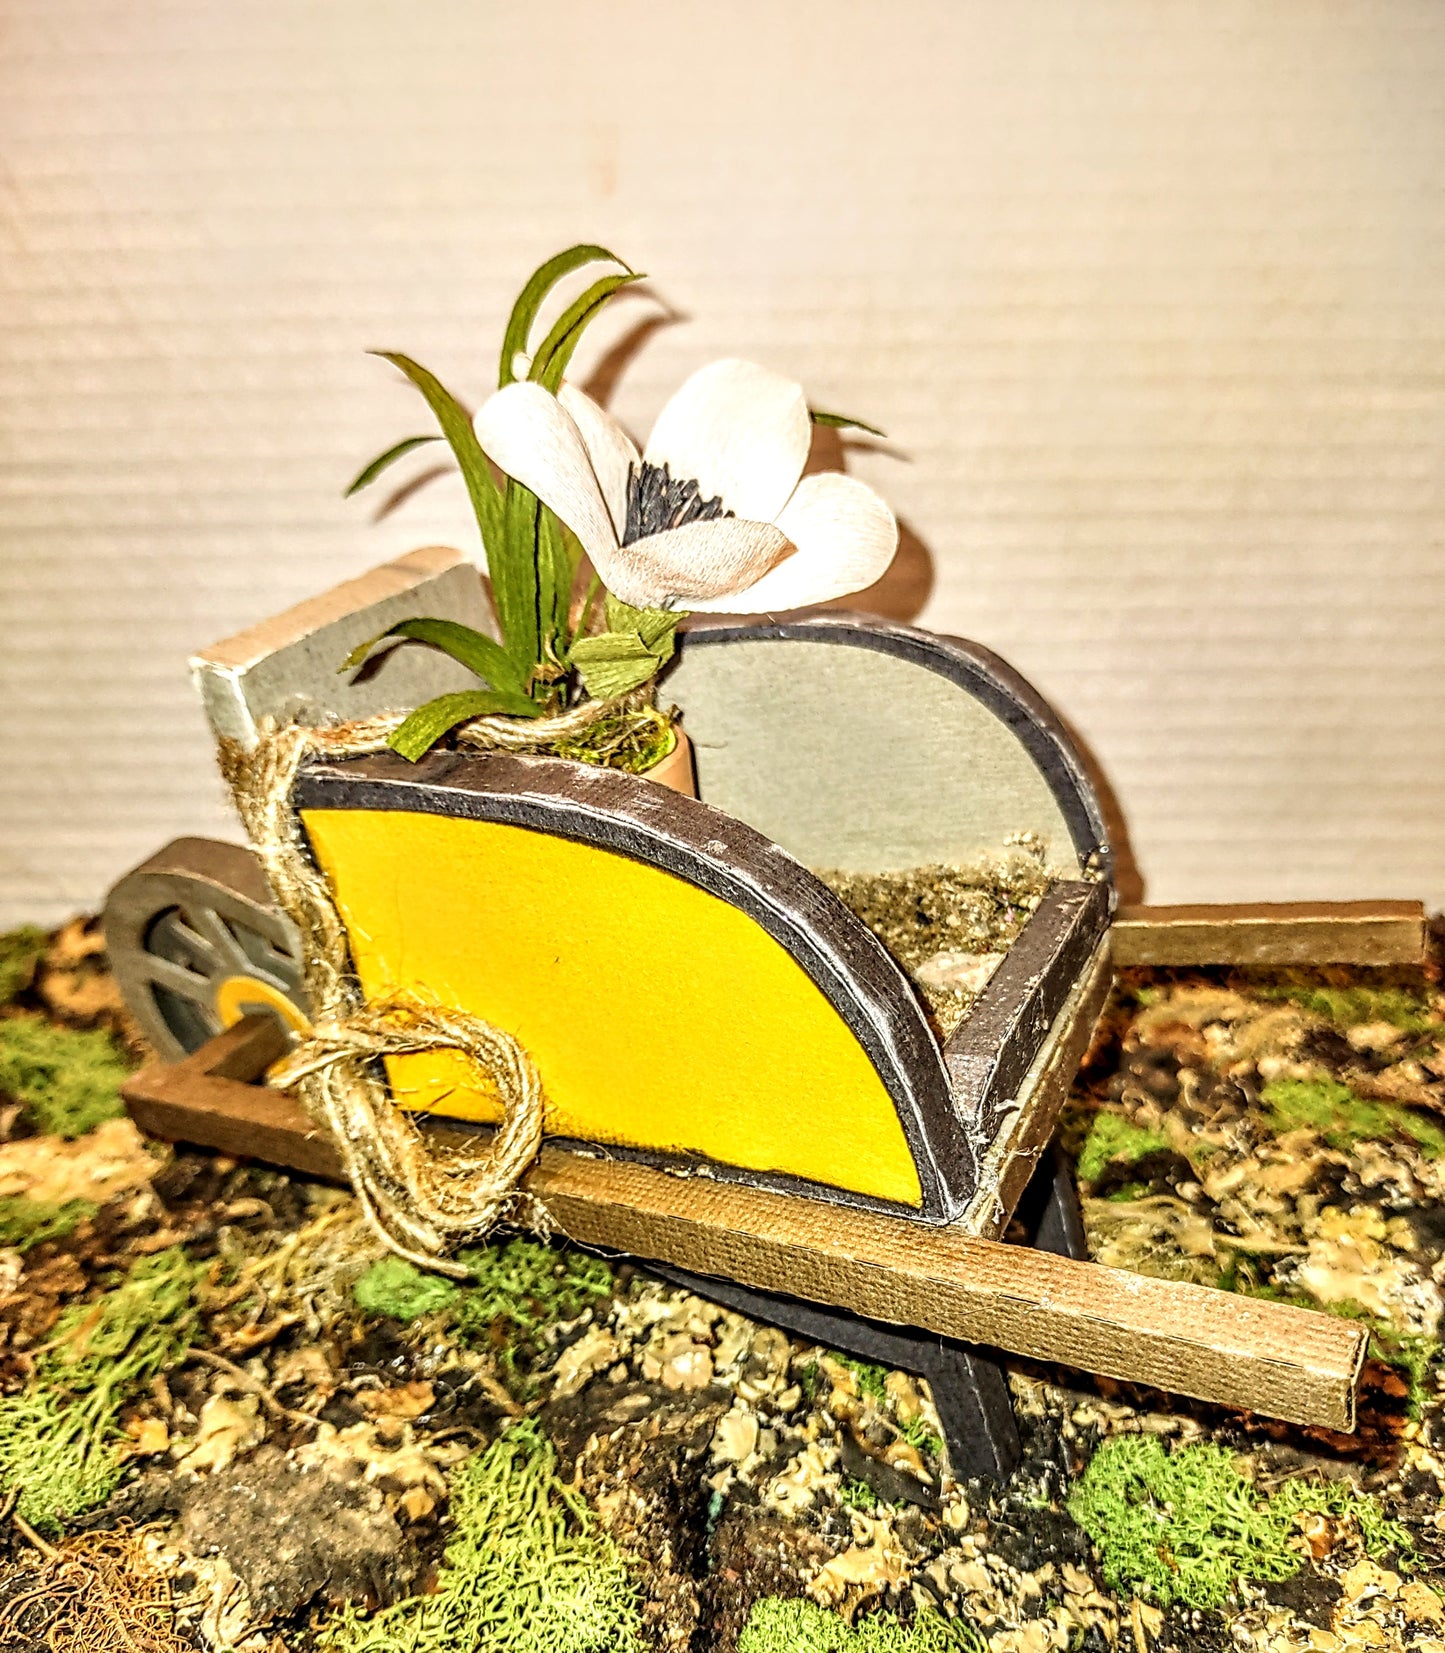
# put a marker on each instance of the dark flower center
(656, 501)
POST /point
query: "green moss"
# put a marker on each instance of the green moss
(136, 1329)
(68, 1082)
(1183, 1526)
(1113, 1137)
(61, 1453)
(919, 1436)
(25, 1223)
(857, 1495)
(871, 1380)
(58, 1438)
(400, 1290)
(526, 1571)
(1129, 1192)
(528, 1285)
(20, 952)
(776, 1625)
(1354, 1006)
(515, 1291)
(1342, 1119)
(633, 741)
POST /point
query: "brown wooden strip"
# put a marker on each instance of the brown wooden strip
(1266, 1357)
(1272, 933)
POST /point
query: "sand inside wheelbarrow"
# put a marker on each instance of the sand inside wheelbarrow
(949, 927)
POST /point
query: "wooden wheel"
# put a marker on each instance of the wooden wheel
(196, 942)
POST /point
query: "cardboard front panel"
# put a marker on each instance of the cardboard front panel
(660, 1016)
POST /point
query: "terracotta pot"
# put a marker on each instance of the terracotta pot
(675, 770)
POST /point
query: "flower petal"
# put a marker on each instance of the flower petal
(682, 566)
(845, 537)
(741, 431)
(524, 430)
(609, 447)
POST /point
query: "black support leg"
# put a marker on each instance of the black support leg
(968, 1383)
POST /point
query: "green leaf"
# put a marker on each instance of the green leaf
(473, 649)
(529, 300)
(369, 473)
(844, 421)
(456, 426)
(558, 554)
(518, 599)
(555, 351)
(637, 643)
(655, 626)
(428, 723)
(613, 662)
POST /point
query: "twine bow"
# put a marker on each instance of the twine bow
(422, 1201)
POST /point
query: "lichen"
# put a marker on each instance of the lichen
(527, 1569)
(67, 1081)
(528, 1285)
(401, 1291)
(20, 952)
(1184, 1526)
(1112, 1137)
(58, 1436)
(778, 1625)
(1342, 1119)
(25, 1223)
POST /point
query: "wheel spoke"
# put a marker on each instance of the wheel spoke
(187, 983)
(231, 959)
(173, 936)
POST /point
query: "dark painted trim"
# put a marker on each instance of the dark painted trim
(730, 860)
(989, 1054)
(979, 673)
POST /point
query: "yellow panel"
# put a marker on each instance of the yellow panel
(658, 1015)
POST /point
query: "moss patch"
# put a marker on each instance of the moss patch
(20, 953)
(633, 741)
(527, 1570)
(529, 1285)
(68, 1082)
(516, 1290)
(1355, 1006)
(25, 1223)
(402, 1291)
(782, 1626)
(1183, 1526)
(871, 1380)
(1342, 1119)
(58, 1437)
(1113, 1137)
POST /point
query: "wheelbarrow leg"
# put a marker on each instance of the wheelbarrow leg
(968, 1383)
(1049, 1210)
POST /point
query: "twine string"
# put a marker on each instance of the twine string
(421, 1200)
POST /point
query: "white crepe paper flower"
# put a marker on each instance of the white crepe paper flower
(715, 514)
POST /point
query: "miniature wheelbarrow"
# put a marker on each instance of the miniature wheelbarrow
(743, 1089)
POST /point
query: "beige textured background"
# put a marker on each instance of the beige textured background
(1149, 297)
